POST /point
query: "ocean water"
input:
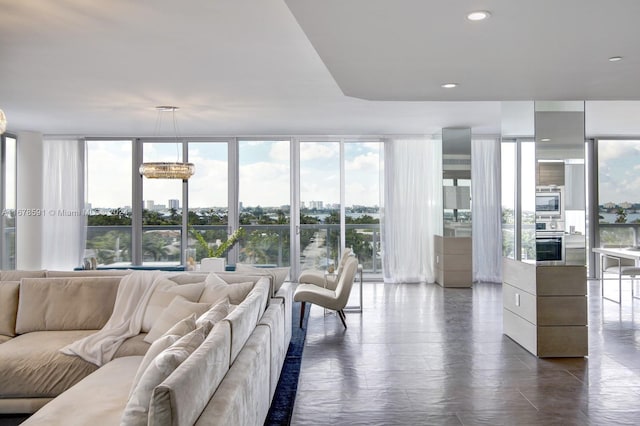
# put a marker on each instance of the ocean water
(611, 217)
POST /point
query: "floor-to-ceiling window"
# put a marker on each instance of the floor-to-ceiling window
(362, 202)
(528, 199)
(508, 176)
(618, 193)
(319, 204)
(208, 200)
(245, 182)
(108, 188)
(8, 146)
(162, 208)
(265, 200)
(518, 199)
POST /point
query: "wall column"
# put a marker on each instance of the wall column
(29, 201)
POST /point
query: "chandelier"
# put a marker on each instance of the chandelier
(168, 170)
(3, 122)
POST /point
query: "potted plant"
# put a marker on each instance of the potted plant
(215, 260)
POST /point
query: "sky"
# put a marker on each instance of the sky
(619, 171)
(264, 173)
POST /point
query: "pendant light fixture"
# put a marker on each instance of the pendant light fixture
(168, 170)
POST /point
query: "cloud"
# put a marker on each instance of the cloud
(280, 151)
(319, 150)
(109, 173)
(264, 184)
(369, 161)
(611, 150)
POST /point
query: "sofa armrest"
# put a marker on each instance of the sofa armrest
(286, 295)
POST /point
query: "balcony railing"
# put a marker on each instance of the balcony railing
(619, 234)
(268, 244)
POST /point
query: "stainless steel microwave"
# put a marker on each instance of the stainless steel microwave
(549, 204)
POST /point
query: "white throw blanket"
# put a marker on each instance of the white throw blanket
(133, 295)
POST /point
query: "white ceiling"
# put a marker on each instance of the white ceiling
(252, 67)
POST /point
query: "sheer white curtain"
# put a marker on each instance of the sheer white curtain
(64, 220)
(487, 210)
(412, 209)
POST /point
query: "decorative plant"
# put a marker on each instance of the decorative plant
(222, 249)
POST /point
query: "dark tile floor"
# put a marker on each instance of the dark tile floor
(423, 355)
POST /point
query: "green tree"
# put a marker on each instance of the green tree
(621, 216)
(154, 246)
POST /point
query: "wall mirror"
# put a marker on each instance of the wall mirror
(560, 183)
(456, 181)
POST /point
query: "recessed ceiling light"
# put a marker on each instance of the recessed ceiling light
(450, 85)
(545, 140)
(478, 15)
(615, 58)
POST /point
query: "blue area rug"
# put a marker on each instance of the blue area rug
(282, 404)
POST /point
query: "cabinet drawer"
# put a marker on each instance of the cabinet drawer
(562, 310)
(519, 302)
(521, 331)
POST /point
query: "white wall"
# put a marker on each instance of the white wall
(29, 201)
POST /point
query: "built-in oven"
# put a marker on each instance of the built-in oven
(550, 247)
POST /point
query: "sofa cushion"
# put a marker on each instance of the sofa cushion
(89, 273)
(216, 313)
(277, 275)
(4, 338)
(133, 346)
(166, 290)
(182, 396)
(244, 318)
(180, 329)
(273, 318)
(102, 396)
(216, 289)
(136, 411)
(33, 366)
(17, 275)
(243, 396)
(178, 309)
(8, 307)
(188, 277)
(65, 303)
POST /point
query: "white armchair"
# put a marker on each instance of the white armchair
(325, 297)
(322, 278)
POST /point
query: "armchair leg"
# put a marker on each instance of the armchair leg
(302, 308)
(342, 317)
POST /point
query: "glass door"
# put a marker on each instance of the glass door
(362, 162)
(320, 213)
(162, 209)
(264, 201)
(208, 195)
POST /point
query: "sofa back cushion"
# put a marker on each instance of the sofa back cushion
(182, 396)
(47, 304)
(17, 275)
(278, 275)
(178, 309)
(245, 316)
(216, 289)
(89, 273)
(164, 293)
(137, 408)
(8, 307)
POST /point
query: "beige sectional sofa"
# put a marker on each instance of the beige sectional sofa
(229, 377)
